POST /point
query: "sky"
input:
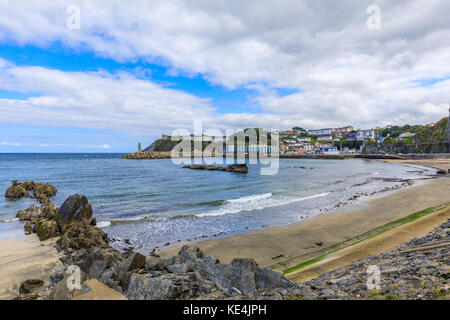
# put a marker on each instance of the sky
(101, 76)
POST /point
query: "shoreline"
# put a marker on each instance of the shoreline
(25, 258)
(287, 246)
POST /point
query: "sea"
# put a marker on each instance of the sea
(153, 204)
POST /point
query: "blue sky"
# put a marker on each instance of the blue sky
(72, 139)
(132, 72)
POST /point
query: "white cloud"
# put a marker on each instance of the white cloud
(344, 73)
(12, 144)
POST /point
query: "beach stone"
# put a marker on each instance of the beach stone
(47, 229)
(135, 261)
(75, 208)
(97, 261)
(16, 191)
(31, 285)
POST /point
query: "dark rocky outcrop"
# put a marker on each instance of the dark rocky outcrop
(75, 209)
(239, 168)
(80, 235)
(16, 191)
(41, 191)
(46, 229)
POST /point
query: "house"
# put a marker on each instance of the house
(351, 136)
(406, 135)
(340, 132)
(363, 135)
(304, 139)
(321, 132)
(325, 138)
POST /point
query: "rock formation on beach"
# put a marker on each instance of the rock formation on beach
(239, 168)
(41, 191)
(190, 275)
(417, 270)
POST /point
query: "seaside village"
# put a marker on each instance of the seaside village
(327, 141)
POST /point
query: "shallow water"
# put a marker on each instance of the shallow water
(154, 202)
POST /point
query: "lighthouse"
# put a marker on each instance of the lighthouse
(139, 147)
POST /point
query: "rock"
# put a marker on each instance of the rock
(99, 260)
(16, 191)
(269, 279)
(79, 235)
(43, 189)
(75, 208)
(48, 211)
(165, 287)
(31, 285)
(135, 261)
(28, 227)
(62, 291)
(239, 168)
(47, 229)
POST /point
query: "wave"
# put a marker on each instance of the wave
(10, 220)
(103, 224)
(255, 202)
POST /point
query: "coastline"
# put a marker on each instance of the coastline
(287, 246)
(278, 247)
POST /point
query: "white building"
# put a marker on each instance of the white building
(365, 135)
(321, 132)
(325, 138)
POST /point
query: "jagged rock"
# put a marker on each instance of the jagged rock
(66, 288)
(28, 227)
(31, 285)
(29, 214)
(41, 191)
(44, 189)
(243, 274)
(165, 287)
(75, 208)
(79, 235)
(135, 261)
(16, 191)
(48, 211)
(47, 229)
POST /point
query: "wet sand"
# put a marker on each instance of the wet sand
(22, 259)
(297, 243)
(443, 164)
(386, 241)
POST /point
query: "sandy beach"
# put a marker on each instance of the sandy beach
(285, 247)
(22, 259)
(279, 247)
